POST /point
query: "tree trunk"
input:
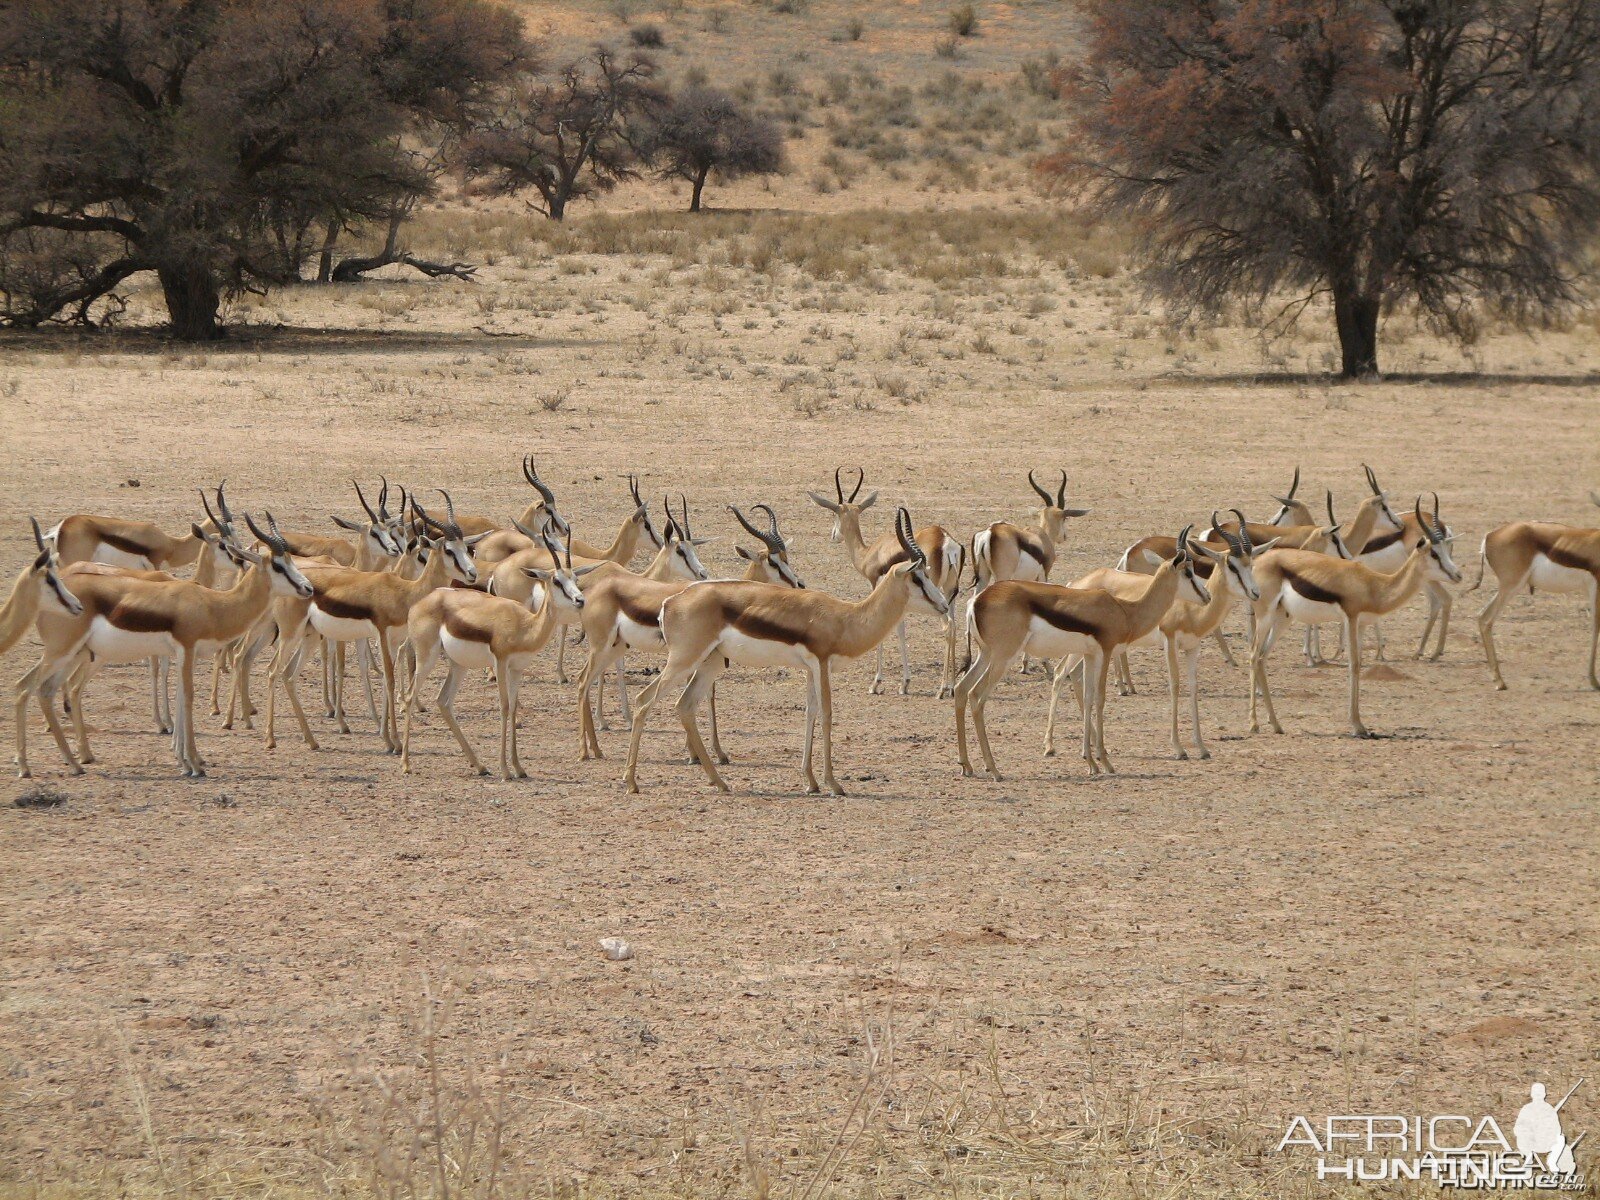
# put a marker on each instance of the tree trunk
(556, 203)
(325, 260)
(694, 196)
(193, 300)
(1356, 317)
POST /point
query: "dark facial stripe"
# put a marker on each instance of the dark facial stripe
(1310, 590)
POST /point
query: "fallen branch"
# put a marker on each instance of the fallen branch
(352, 270)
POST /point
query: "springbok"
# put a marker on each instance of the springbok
(1181, 632)
(1316, 589)
(472, 629)
(1052, 621)
(945, 557)
(1542, 555)
(707, 626)
(125, 619)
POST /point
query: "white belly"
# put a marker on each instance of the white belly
(636, 636)
(341, 629)
(1547, 576)
(113, 645)
(1308, 612)
(465, 652)
(112, 557)
(761, 652)
(1046, 641)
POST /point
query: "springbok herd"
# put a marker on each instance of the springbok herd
(410, 587)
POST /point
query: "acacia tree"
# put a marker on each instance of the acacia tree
(1443, 152)
(169, 136)
(701, 130)
(568, 137)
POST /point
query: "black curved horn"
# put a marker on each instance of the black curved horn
(222, 502)
(38, 534)
(861, 478)
(1061, 492)
(360, 496)
(902, 528)
(1294, 485)
(1034, 484)
(531, 474)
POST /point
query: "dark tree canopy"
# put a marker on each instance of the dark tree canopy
(566, 137)
(182, 137)
(1442, 152)
(700, 130)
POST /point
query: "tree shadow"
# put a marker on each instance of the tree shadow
(1576, 379)
(290, 339)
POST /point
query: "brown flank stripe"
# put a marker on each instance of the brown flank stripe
(638, 614)
(1063, 621)
(126, 545)
(764, 627)
(342, 609)
(464, 630)
(1308, 589)
(1552, 549)
(136, 619)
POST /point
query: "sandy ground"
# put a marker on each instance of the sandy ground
(199, 978)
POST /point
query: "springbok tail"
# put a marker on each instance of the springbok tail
(1483, 562)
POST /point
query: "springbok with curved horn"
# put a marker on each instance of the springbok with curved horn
(472, 629)
(350, 605)
(622, 612)
(945, 557)
(1006, 551)
(509, 578)
(143, 546)
(1183, 629)
(771, 563)
(1292, 511)
(1385, 550)
(37, 588)
(125, 619)
(636, 530)
(1316, 589)
(1015, 616)
(707, 626)
(539, 514)
(1544, 556)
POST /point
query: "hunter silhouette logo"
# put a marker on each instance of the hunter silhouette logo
(1448, 1149)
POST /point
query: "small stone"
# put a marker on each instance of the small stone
(617, 949)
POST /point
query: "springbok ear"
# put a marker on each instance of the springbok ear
(202, 534)
(582, 571)
(872, 498)
(346, 523)
(1077, 512)
(1207, 552)
(538, 573)
(745, 554)
(1265, 546)
(477, 537)
(701, 541)
(824, 501)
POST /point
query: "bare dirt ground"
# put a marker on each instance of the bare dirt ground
(1139, 976)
